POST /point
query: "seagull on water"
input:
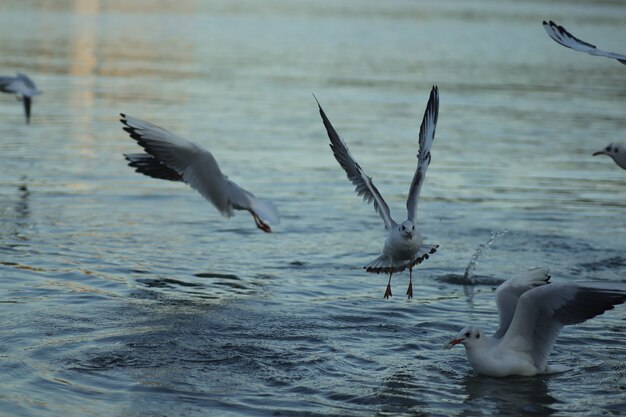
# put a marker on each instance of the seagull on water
(404, 247)
(562, 36)
(532, 313)
(170, 157)
(23, 87)
(615, 151)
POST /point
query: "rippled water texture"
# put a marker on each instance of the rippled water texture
(122, 295)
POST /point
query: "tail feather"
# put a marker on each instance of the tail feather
(384, 264)
(266, 210)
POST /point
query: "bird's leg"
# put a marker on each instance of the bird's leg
(388, 290)
(409, 291)
(260, 223)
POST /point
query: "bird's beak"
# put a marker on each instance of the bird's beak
(408, 235)
(598, 153)
(453, 342)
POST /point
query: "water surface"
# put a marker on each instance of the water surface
(124, 295)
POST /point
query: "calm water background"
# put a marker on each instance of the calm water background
(126, 296)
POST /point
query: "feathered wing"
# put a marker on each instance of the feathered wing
(174, 158)
(20, 84)
(509, 292)
(363, 183)
(543, 311)
(29, 84)
(426, 138)
(562, 36)
(6, 84)
(147, 164)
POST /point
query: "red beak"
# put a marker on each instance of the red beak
(454, 342)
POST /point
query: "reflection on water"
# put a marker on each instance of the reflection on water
(512, 396)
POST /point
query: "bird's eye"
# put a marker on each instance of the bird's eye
(467, 334)
(615, 149)
(608, 149)
(413, 228)
(403, 228)
(477, 335)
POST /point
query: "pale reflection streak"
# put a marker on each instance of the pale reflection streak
(82, 77)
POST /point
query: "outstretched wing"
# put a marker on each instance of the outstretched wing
(364, 185)
(171, 157)
(426, 138)
(6, 84)
(543, 311)
(562, 36)
(509, 292)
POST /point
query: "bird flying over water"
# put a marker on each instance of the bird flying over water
(616, 151)
(23, 87)
(173, 158)
(562, 36)
(532, 312)
(404, 247)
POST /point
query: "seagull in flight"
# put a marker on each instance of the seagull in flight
(532, 313)
(562, 36)
(170, 157)
(23, 87)
(615, 151)
(404, 247)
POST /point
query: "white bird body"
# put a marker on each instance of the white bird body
(563, 37)
(532, 313)
(616, 151)
(400, 249)
(173, 158)
(404, 247)
(23, 87)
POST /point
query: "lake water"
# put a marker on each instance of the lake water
(121, 295)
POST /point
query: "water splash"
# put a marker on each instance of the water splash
(469, 271)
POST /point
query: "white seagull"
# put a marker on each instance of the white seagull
(23, 87)
(404, 247)
(615, 151)
(562, 36)
(173, 158)
(532, 313)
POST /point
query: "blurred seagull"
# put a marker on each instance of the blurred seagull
(532, 314)
(173, 158)
(562, 36)
(23, 87)
(404, 247)
(615, 151)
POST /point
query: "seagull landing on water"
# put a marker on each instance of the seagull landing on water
(404, 247)
(615, 151)
(23, 87)
(562, 36)
(532, 313)
(170, 157)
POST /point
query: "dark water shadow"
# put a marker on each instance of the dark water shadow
(512, 396)
(398, 394)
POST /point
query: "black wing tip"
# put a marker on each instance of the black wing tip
(316, 100)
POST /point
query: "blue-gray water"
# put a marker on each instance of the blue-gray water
(121, 295)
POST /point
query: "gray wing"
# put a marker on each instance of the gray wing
(26, 80)
(178, 159)
(509, 292)
(542, 312)
(426, 138)
(20, 84)
(6, 84)
(562, 36)
(363, 183)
